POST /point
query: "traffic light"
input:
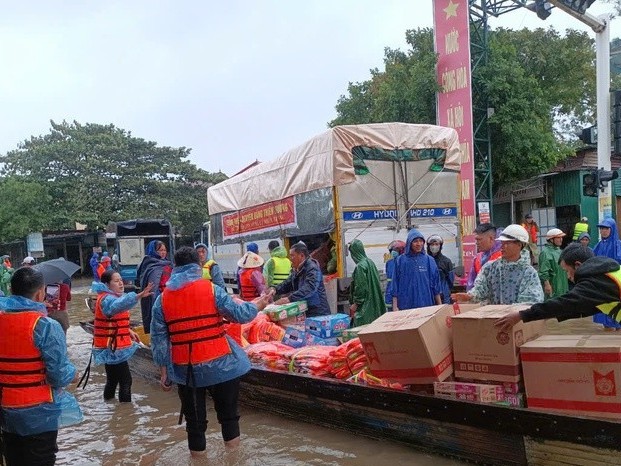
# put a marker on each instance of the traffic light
(616, 123)
(579, 6)
(541, 7)
(589, 184)
(604, 176)
(589, 136)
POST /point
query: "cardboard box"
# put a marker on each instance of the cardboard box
(577, 374)
(294, 337)
(294, 321)
(484, 393)
(517, 400)
(314, 340)
(277, 313)
(510, 388)
(482, 352)
(411, 346)
(327, 326)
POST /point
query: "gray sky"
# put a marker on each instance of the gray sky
(234, 81)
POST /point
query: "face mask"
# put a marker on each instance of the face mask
(434, 249)
(394, 254)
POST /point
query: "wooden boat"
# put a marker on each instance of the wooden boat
(483, 433)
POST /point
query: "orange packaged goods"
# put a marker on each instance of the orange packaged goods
(347, 360)
(311, 360)
(261, 329)
(482, 352)
(272, 355)
(412, 346)
(574, 374)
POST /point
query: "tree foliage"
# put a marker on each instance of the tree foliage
(540, 85)
(95, 173)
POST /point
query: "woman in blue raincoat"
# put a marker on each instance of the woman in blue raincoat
(155, 268)
(609, 246)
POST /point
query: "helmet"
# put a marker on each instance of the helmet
(514, 233)
(397, 245)
(554, 233)
(435, 238)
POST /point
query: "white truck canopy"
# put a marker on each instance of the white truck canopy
(326, 160)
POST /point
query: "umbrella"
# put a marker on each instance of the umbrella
(56, 270)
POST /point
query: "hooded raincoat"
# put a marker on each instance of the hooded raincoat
(94, 263)
(365, 289)
(219, 370)
(111, 305)
(49, 338)
(551, 271)
(268, 269)
(504, 282)
(611, 246)
(150, 270)
(416, 279)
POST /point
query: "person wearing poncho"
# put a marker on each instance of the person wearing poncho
(365, 295)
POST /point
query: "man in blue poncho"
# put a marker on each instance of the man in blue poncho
(609, 246)
(416, 282)
(34, 369)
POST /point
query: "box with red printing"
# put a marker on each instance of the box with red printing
(484, 393)
(484, 353)
(577, 374)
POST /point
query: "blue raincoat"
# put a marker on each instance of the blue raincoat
(49, 338)
(150, 271)
(219, 370)
(416, 279)
(94, 263)
(609, 247)
(111, 305)
(390, 273)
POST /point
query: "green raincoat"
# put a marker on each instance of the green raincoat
(550, 270)
(365, 289)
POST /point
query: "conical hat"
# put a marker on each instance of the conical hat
(250, 260)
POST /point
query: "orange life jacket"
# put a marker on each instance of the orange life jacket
(110, 332)
(492, 258)
(195, 327)
(22, 370)
(248, 289)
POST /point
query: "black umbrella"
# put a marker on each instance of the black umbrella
(56, 270)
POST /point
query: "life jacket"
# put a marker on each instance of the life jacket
(110, 332)
(580, 228)
(195, 327)
(22, 370)
(478, 259)
(248, 289)
(207, 269)
(532, 230)
(613, 309)
(282, 268)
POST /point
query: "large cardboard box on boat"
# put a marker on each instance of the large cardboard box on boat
(574, 374)
(411, 346)
(484, 353)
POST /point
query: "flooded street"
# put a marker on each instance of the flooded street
(145, 432)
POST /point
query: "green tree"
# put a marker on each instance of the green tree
(99, 173)
(24, 208)
(540, 84)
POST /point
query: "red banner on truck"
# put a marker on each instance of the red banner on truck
(264, 217)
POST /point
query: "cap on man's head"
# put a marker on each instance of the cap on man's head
(584, 219)
(28, 260)
(554, 233)
(200, 245)
(484, 228)
(528, 216)
(514, 233)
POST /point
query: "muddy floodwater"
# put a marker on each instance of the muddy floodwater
(145, 432)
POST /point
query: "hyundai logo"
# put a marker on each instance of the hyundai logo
(356, 215)
(447, 211)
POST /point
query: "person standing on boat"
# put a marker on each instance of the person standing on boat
(187, 335)
(597, 288)
(211, 269)
(113, 341)
(305, 283)
(488, 250)
(609, 246)
(365, 292)
(510, 279)
(278, 266)
(34, 369)
(417, 281)
(155, 268)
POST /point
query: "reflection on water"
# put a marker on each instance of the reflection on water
(145, 432)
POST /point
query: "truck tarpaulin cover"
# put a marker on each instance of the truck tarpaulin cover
(143, 226)
(326, 161)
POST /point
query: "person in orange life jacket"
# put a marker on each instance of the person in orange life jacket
(250, 278)
(250, 247)
(204, 359)
(113, 341)
(105, 264)
(155, 268)
(597, 286)
(488, 250)
(33, 356)
(211, 269)
(305, 283)
(532, 229)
